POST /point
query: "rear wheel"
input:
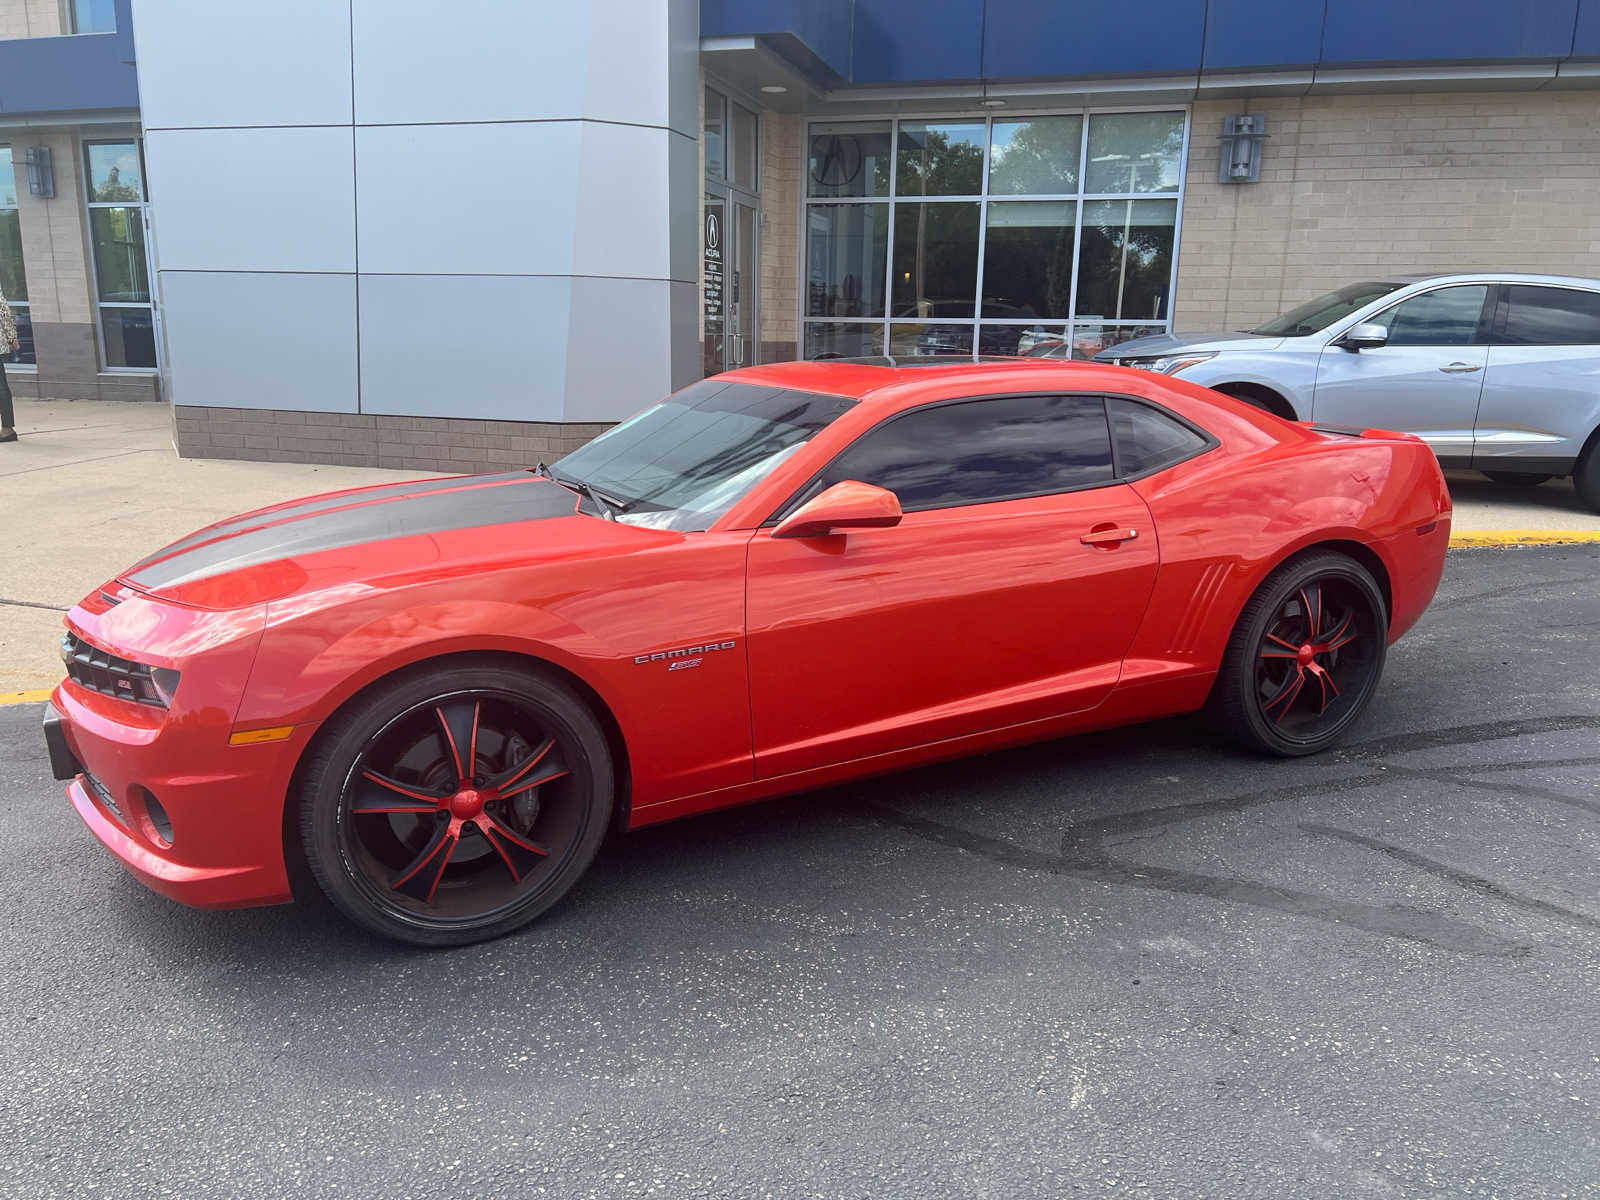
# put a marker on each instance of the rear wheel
(1304, 658)
(455, 804)
(1512, 479)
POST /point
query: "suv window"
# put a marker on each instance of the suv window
(1148, 439)
(1548, 316)
(1446, 316)
(975, 451)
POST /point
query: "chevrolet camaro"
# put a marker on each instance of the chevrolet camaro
(436, 698)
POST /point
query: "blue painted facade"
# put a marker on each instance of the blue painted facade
(905, 41)
(86, 72)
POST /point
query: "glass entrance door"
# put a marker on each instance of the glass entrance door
(729, 235)
(731, 293)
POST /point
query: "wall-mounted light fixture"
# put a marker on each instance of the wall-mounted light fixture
(41, 172)
(1241, 149)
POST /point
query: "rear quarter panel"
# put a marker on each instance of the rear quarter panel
(1227, 519)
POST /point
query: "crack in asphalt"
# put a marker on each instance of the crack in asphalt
(1084, 852)
(1510, 590)
(1465, 879)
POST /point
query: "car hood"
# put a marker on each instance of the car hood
(328, 540)
(1167, 343)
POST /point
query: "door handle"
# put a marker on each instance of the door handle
(1108, 537)
(1460, 368)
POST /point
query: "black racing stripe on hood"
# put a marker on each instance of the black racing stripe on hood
(530, 499)
(315, 504)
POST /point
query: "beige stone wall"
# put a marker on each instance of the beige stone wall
(782, 159)
(1357, 186)
(31, 18)
(54, 244)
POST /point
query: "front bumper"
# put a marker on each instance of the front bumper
(214, 836)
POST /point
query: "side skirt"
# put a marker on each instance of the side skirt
(1128, 705)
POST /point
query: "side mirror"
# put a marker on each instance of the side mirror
(847, 505)
(1368, 335)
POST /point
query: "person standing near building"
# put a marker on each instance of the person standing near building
(9, 344)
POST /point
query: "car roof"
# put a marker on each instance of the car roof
(1495, 276)
(859, 378)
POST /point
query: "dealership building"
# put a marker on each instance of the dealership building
(395, 233)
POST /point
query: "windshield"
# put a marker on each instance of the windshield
(683, 463)
(1318, 314)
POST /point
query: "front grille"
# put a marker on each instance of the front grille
(104, 672)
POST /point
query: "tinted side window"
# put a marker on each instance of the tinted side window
(1443, 317)
(981, 450)
(1148, 439)
(1546, 316)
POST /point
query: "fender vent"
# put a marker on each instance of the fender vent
(1206, 590)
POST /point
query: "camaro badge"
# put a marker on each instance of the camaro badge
(679, 658)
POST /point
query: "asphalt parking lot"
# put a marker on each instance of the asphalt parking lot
(1136, 963)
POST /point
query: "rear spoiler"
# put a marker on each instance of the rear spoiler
(1355, 431)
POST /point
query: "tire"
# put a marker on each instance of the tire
(1587, 477)
(456, 803)
(1336, 656)
(1512, 479)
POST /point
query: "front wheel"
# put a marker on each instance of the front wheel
(455, 804)
(1304, 658)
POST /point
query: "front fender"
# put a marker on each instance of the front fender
(309, 665)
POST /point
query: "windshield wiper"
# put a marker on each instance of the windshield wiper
(608, 505)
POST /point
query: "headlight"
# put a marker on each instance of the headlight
(1169, 364)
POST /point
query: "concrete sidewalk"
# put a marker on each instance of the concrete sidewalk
(92, 486)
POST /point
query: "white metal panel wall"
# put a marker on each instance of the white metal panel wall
(504, 192)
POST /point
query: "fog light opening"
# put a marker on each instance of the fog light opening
(157, 825)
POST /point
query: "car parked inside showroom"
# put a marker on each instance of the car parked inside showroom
(435, 698)
(1497, 372)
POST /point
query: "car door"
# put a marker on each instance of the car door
(1425, 381)
(1009, 591)
(1541, 391)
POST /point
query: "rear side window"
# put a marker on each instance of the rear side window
(1547, 316)
(978, 451)
(1148, 439)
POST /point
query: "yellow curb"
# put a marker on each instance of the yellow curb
(36, 696)
(1524, 537)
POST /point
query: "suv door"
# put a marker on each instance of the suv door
(1541, 392)
(984, 607)
(1427, 379)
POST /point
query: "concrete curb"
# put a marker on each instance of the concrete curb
(1469, 539)
(37, 696)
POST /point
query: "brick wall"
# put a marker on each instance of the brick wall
(447, 445)
(1357, 186)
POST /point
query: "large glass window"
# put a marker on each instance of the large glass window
(13, 279)
(979, 451)
(998, 235)
(114, 172)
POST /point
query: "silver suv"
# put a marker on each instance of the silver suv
(1500, 373)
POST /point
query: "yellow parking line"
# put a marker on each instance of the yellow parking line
(1523, 537)
(36, 696)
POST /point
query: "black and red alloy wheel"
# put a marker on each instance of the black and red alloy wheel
(453, 809)
(1305, 657)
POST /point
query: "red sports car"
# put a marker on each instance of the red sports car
(439, 696)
